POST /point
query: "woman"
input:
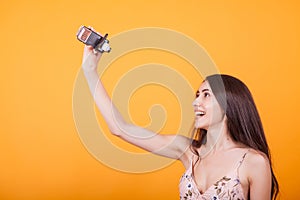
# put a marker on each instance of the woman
(228, 158)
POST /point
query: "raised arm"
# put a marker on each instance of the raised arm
(172, 146)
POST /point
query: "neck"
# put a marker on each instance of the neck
(218, 139)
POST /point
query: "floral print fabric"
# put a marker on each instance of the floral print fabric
(227, 188)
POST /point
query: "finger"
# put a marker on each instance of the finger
(87, 49)
(95, 52)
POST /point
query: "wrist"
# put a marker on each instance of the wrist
(88, 73)
(89, 67)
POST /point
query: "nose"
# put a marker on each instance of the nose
(196, 102)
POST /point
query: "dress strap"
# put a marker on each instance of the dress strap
(240, 162)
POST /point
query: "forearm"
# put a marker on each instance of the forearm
(165, 145)
(108, 110)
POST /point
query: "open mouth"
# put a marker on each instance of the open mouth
(199, 113)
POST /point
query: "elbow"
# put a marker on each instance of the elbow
(122, 130)
(115, 131)
(115, 125)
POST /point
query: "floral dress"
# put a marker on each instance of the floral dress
(227, 188)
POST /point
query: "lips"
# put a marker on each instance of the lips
(199, 113)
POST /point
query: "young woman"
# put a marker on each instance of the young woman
(228, 158)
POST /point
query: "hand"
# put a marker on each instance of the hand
(90, 58)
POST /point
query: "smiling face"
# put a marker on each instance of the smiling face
(208, 113)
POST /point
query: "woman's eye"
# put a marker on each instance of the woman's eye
(206, 94)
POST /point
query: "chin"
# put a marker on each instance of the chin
(201, 126)
(198, 125)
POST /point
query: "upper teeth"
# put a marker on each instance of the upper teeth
(199, 113)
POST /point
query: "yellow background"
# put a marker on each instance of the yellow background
(42, 156)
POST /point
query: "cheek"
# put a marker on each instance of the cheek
(216, 113)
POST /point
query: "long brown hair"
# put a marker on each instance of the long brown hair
(243, 121)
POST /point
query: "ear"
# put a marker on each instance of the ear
(224, 117)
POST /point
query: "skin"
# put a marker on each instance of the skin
(219, 150)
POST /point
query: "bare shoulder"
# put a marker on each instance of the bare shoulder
(257, 158)
(256, 165)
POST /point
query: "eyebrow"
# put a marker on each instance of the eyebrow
(204, 90)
